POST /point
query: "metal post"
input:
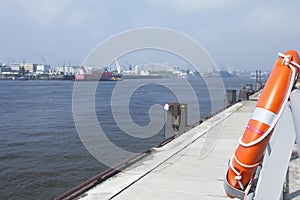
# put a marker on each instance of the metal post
(258, 80)
(295, 106)
(245, 92)
(175, 118)
(277, 158)
(230, 98)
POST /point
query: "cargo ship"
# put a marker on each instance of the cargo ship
(94, 74)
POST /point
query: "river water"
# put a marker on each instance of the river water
(41, 152)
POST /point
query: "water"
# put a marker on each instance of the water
(41, 154)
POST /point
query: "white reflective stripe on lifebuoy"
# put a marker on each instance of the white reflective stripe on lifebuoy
(264, 115)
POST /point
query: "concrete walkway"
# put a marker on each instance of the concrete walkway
(192, 166)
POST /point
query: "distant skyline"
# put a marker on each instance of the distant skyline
(243, 35)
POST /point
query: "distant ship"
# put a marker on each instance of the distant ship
(93, 74)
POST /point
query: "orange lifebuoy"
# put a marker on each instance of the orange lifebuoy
(253, 143)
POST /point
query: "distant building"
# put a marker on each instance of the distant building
(9, 71)
(15, 66)
(42, 69)
(66, 70)
(145, 72)
(2, 65)
(29, 67)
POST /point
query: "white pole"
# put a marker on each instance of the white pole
(295, 105)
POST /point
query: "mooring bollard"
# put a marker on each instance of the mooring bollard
(230, 98)
(245, 92)
(175, 118)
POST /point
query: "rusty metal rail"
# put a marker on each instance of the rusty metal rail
(78, 190)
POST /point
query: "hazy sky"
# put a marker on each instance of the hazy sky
(242, 34)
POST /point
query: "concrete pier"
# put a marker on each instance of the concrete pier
(192, 166)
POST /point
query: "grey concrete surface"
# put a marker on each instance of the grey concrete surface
(192, 166)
